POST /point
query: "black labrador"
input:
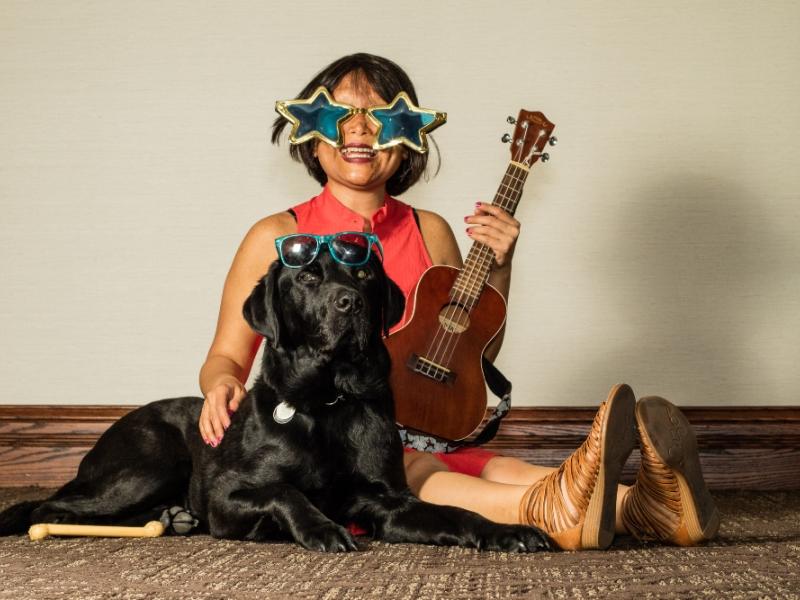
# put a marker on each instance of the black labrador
(312, 448)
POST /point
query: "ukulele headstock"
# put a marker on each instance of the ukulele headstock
(532, 133)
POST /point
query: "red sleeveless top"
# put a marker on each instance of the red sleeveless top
(405, 255)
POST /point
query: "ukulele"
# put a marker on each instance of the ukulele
(437, 377)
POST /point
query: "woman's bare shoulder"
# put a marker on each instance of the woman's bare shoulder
(273, 226)
(258, 246)
(439, 238)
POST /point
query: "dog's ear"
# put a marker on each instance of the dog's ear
(394, 305)
(262, 310)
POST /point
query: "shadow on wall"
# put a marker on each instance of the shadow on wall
(707, 292)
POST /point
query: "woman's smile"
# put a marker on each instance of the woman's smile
(357, 153)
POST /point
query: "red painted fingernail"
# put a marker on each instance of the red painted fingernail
(230, 412)
(477, 205)
(466, 219)
(469, 231)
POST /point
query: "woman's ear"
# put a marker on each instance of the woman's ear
(261, 310)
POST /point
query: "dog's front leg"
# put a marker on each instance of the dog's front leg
(402, 517)
(265, 513)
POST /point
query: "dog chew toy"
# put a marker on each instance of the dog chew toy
(39, 531)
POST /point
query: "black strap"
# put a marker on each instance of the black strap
(291, 212)
(500, 387)
(416, 218)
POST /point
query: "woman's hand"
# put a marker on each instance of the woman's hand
(493, 226)
(221, 401)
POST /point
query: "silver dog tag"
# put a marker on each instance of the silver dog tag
(283, 413)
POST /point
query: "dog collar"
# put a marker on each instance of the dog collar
(284, 412)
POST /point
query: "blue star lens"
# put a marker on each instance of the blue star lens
(319, 116)
(400, 121)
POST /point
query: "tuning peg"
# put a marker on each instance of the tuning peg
(511, 120)
(506, 138)
(553, 141)
(545, 157)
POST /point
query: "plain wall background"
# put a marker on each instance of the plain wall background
(659, 246)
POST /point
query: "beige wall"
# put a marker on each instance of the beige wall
(660, 245)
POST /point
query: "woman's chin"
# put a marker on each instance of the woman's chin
(362, 179)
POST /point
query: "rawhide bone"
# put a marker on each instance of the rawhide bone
(39, 531)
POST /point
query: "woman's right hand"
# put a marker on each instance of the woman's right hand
(221, 401)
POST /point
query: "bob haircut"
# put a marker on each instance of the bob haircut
(387, 79)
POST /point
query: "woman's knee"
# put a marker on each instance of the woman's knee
(506, 469)
(419, 466)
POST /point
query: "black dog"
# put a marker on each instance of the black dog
(313, 446)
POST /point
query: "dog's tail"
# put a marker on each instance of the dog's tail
(17, 518)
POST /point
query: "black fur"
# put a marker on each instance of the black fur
(338, 461)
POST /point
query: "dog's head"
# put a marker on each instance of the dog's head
(325, 305)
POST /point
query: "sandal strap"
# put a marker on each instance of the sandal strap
(544, 504)
(651, 510)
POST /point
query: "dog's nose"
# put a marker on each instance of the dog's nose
(348, 302)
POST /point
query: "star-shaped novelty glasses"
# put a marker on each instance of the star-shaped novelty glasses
(321, 117)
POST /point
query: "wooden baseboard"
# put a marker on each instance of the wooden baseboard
(740, 447)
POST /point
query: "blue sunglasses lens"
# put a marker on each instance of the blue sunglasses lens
(350, 248)
(299, 250)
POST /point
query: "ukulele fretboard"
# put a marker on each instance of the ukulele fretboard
(470, 282)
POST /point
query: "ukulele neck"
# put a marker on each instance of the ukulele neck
(473, 277)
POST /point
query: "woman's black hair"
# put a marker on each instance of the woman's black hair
(387, 79)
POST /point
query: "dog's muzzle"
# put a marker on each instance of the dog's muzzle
(348, 302)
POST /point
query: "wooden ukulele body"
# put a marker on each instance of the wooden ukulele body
(450, 403)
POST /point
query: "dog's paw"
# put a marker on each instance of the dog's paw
(178, 521)
(327, 537)
(514, 538)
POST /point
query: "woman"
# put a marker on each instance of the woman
(580, 504)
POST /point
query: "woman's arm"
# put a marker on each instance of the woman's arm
(235, 345)
(490, 225)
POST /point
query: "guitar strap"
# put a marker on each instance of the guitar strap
(500, 387)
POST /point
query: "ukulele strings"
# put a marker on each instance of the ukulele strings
(474, 277)
(468, 295)
(478, 277)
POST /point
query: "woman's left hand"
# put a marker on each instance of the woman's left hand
(493, 226)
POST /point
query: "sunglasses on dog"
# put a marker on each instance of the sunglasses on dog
(350, 248)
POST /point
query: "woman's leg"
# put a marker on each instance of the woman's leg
(575, 504)
(496, 494)
(509, 470)
(431, 481)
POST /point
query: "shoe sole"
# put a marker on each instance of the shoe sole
(667, 431)
(617, 440)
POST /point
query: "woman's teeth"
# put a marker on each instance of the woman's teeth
(357, 152)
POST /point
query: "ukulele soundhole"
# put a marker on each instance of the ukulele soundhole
(454, 319)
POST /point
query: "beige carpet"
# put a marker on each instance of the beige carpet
(757, 555)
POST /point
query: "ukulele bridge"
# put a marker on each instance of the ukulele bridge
(427, 367)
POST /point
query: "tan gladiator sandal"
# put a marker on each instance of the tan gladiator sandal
(669, 501)
(576, 504)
